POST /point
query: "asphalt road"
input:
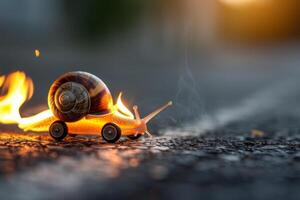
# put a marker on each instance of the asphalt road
(32, 166)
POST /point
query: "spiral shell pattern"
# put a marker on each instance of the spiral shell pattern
(76, 94)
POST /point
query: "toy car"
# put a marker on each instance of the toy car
(111, 126)
(82, 103)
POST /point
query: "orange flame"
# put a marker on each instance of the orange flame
(2, 78)
(121, 109)
(18, 88)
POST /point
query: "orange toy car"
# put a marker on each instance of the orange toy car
(82, 104)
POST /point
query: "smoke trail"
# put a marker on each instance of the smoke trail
(262, 101)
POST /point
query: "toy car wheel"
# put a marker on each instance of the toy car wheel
(58, 130)
(134, 137)
(111, 133)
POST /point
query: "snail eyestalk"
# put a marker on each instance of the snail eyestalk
(156, 112)
(136, 112)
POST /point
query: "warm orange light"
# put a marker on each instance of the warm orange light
(243, 2)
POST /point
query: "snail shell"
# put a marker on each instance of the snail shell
(76, 94)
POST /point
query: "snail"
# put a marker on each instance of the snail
(81, 103)
(76, 94)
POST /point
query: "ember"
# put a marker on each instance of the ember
(37, 53)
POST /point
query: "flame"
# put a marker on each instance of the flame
(17, 88)
(25, 123)
(2, 78)
(121, 109)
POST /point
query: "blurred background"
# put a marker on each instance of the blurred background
(221, 61)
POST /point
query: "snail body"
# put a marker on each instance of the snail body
(75, 94)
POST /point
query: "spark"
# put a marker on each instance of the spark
(37, 53)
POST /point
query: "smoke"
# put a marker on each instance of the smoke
(188, 97)
(191, 105)
(262, 101)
